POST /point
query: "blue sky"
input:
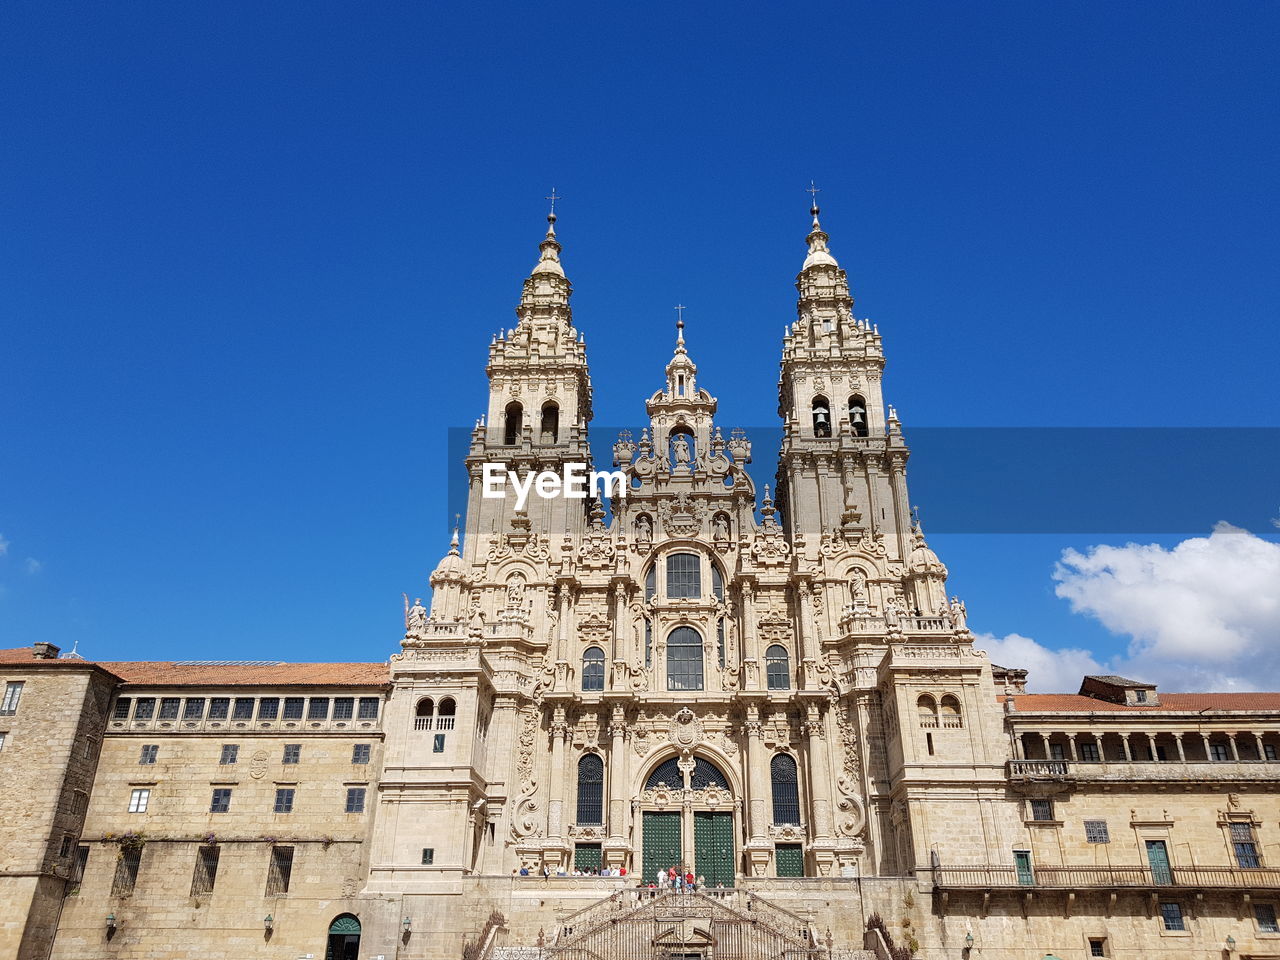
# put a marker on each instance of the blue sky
(252, 258)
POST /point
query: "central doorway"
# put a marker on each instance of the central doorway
(344, 939)
(661, 842)
(713, 847)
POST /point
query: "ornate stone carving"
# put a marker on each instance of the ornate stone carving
(681, 516)
(852, 815)
(685, 731)
(524, 817)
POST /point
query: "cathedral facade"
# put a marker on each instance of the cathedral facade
(767, 688)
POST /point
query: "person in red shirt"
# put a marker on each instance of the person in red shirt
(688, 881)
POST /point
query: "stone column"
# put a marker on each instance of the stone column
(1071, 746)
(823, 845)
(1151, 746)
(873, 503)
(901, 508)
(759, 849)
(562, 638)
(1177, 742)
(804, 614)
(1231, 747)
(615, 848)
(751, 679)
(1208, 754)
(618, 654)
(1257, 739)
(555, 806)
(1125, 753)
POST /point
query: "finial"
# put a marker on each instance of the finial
(551, 217)
(813, 192)
(680, 309)
(453, 543)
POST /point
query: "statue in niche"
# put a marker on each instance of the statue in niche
(515, 592)
(644, 529)
(858, 586)
(720, 527)
(681, 450)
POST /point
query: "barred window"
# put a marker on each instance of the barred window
(1041, 809)
(1171, 914)
(292, 708)
(706, 774)
(593, 669)
(81, 861)
(121, 711)
(126, 877)
(1246, 849)
(221, 802)
(292, 753)
(243, 709)
(684, 659)
(684, 576)
(230, 752)
(1095, 831)
(268, 708)
(590, 789)
(667, 772)
(786, 791)
(284, 800)
(169, 707)
(206, 871)
(318, 708)
(1265, 914)
(279, 872)
(218, 707)
(145, 708)
(777, 667)
(343, 708)
(360, 753)
(194, 708)
(368, 708)
(355, 800)
(149, 753)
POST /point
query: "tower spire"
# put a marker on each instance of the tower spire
(817, 239)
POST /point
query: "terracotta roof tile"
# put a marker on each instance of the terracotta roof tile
(1075, 703)
(166, 673)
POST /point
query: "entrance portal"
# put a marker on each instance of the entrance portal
(661, 842)
(713, 847)
(344, 939)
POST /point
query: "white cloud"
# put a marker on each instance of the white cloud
(34, 565)
(4, 545)
(1048, 671)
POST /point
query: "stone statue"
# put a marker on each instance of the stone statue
(959, 614)
(415, 617)
(644, 529)
(858, 586)
(680, 447)
(515, 592)
(720, 527)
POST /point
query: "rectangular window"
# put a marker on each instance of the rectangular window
(368, 708)
(149, 753)
(206, 871)
(12, 694)
(293, 708)
(79, 802)
(284, 800)
(355, 800)
(428, 856)
(1089, 752)
(145, 708)
(1095, 831)
(684, 576)
(789, 858)
(221, 801)
(437, 745)
(1246, 849)
(82, 861)
(3, 736)
(169, 707)
(219, 707)
(343, 708)
(126, 877)
(360, 753)
(1140, 696)
(1171, 914)
(280, 871)
(292, 752)
(230, 753)
(1269, 751)
(194, 709)
(121, 711)
(1218, 751)
(1041, 809)
(243, 709)
(318, 708)
(268, 708)
(138, 801)
(68, 844)
(1097, 947)
(587, 857)
(1265, 914)
(1057, 751)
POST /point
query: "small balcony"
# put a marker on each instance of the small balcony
(997, 877)
(1145, 771)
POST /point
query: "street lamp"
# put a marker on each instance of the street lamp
(968, 941)
(268, 923)
(111, 922)
(1231, 944)
(408, 924)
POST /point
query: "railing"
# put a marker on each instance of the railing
(985, 876)
(1125, 770)
(422, 723)
(444, 723)
(1039, 768)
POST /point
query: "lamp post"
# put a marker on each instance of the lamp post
(1231, 944)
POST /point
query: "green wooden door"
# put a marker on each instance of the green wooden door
(713, 847)
(789, 860)
(1158, 857)
(661, 842)
(1022, 861)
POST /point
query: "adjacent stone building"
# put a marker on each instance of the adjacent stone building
(770, 688)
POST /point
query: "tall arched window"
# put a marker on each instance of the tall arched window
(648, 642)
(720, 641)
(684, 659)
(927, 707)
(950, 710)
(448, 711)
(786, 790)
(512, 424)
(717, 583)
(858, 416)
(684, 576)
(650, 582)
(550, 422)
(706, 774)
(593, 669)
(667, 772)
(821, 417)
(777, 667)
(590, 789)
(424, 713)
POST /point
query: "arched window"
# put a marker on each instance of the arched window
(590, 789)
(684, 576)
(448, 709)
(650, 582)
(858, 416)
(424, 713)
(950, 710)
(550, 422)
(706, 774)
(717, 583)
(667, 772)
(786, 791)
(648, 642)
(512, 424)
(777, 667)
(720, 641)
(593, 669)
(684, 659)
(821, 417)
(928, 710)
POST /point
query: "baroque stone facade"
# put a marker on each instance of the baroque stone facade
(771, 688)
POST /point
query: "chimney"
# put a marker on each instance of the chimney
(40, 650)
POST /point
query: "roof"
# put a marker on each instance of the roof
(1118, 681)
(1169, 702)
(192, 673)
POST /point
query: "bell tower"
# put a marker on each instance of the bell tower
(842, 464)
(538, 413)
